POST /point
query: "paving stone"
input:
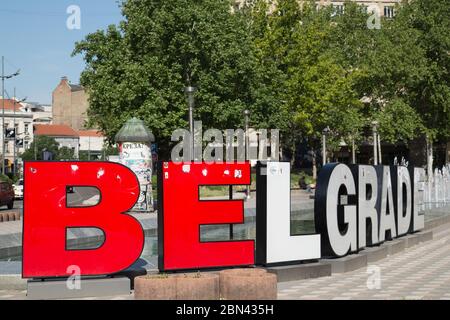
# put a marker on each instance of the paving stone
(422, 271)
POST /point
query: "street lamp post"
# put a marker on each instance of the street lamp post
(375, 142)
(14, 141)
(325, 132)
(353, 151)
(380, 158)
(3, 109)
(190, 92)
(247, 143)
(247, 138)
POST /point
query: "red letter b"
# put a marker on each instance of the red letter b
(47, 218)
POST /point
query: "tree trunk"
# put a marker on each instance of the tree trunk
(353, 152)
(314, 166)
(293, 155)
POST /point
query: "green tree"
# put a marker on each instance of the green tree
(268, 86)
(38, 146)
(429, 20)
(110, 151)
(65, 153)
(389, 63)
(318, 91)
(339, 73)
(140, 67)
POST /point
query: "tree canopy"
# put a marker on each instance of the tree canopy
(141, 67)
(298, 68)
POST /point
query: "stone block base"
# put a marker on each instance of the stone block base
(59, 289)
(301, 271)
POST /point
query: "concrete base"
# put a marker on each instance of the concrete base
(375, 253)
(58, 289)
(347, 264)
(412, 240)
(425, 236)
(248, 284)
(301, 271)
(395, 246)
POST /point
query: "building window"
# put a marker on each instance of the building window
(389, 11)
(26, 128)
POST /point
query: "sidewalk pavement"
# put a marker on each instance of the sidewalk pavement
(420, 272)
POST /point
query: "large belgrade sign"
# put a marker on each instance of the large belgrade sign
(361, 206)
(355, 207)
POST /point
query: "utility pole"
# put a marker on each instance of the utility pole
(353, 151)
(325, 132)
(375, 142)
(380, 159)
(247, 144)
(15, 133)
(3, 115)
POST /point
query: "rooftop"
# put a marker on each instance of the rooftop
(9, 105)
(73, 87)
(90, 133)
(76, 87)
(135, 130)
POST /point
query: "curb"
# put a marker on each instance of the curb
(328, 267)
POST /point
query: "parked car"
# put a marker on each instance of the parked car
(18, 189)
(6, 194)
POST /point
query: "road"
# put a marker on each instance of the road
(18, 204)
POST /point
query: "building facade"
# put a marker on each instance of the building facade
(19, 118)
(385, 8)
(91, 143)
(42, 114)
(70, 104)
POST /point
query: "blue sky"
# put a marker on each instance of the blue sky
(34, 38)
